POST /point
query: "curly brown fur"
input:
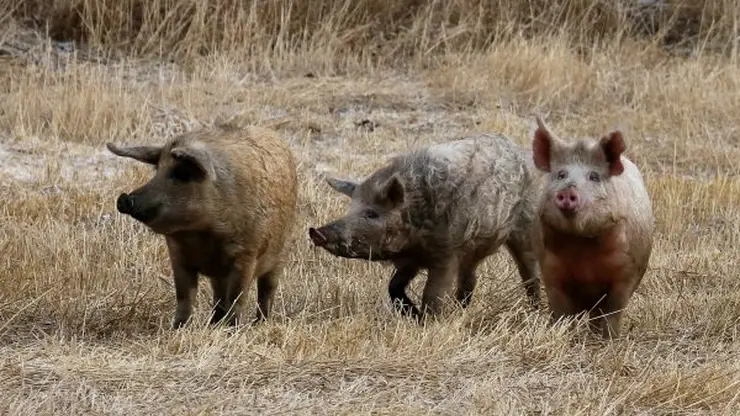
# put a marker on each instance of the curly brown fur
(224, 198)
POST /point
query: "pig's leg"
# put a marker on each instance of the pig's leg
(526, 263)
(466, 282)
(266, 285)
(397, 290)
(238, 281)
(441, 278)
(186, 289)
(609, 316)
(562, 306)
(220, 306)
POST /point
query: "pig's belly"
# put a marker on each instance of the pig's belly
(483, 246)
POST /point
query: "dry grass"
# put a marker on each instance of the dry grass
(380, 31)
(85, 294)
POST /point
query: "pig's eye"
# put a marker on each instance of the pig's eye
(594, 177)
(370, 214)
(185, 170)
(183, 173)
(562, 174)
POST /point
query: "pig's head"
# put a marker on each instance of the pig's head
(373, 227)
(579, 197)
(178, 196)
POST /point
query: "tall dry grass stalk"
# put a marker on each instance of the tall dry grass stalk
(385, 31)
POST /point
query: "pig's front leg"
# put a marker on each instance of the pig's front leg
(561, 305)
(609, 316)
(440, 281)
(397, 290)
(186, 289)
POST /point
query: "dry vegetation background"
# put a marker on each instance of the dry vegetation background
(86, 297)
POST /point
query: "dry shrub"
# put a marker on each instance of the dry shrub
(382, 30)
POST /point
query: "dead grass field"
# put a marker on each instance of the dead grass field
(86, 297)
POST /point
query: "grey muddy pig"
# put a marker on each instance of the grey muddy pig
(594, 227)
(443, 208)
(224, 198)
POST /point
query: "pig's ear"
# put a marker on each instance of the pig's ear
(613, 146)
(145, 154)
(345, 187)
(193, 163)
(543, 144)
(392, 192)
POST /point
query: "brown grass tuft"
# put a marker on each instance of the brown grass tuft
(381, 31)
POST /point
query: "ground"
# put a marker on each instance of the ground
(86, 295)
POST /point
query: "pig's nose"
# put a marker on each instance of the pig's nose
(568, 200)
(124, 204)
(317, 237)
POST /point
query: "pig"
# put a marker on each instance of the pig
(224, 198)
(443, 208)
(593, 231)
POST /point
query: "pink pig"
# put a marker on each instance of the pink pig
(594, 225)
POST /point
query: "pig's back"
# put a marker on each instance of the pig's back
(258, 184)
(484, 183)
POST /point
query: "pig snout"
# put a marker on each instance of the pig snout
(332, 238)
(124, 204)
(130, 205)
(568, 201)
(317, 237)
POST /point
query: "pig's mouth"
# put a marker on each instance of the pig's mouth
(349, 250)
(569, 213)
(317, 237)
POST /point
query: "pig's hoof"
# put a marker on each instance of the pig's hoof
(228, 319)
(179, 323)
(217, 315)
(416, 314)
(260, 318)
(406, 309)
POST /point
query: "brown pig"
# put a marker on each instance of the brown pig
(224, 198)
(594, 228)
(443, 208)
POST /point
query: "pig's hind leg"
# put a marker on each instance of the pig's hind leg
(219, 305)
(466, 283)
(228, 291)
(526, 263)
(238, 281)
(266, 286)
